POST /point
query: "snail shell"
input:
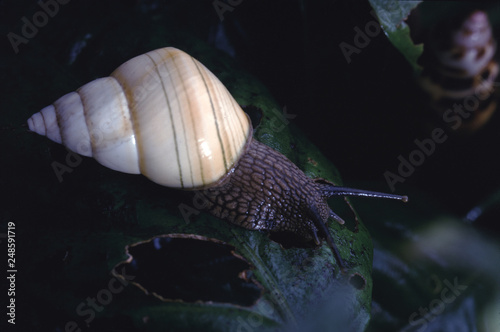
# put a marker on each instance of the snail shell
(165, 115)
(458, 65)
(150, 116)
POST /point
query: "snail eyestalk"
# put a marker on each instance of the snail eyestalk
(174, 123)
(331, 190)
(321, 226)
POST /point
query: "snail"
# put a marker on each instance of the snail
(165, 115)
(459, 70)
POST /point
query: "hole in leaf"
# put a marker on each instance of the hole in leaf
(357, 281)
(189, 268)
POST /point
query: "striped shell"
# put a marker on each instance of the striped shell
(459, 68)
(162, 114)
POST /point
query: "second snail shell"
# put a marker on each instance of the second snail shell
(150, 116)
(460, 69)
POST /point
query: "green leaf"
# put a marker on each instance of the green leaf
(76, 231)
(392, 15)
(431, 271)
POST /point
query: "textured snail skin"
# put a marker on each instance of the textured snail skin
(184, 130)
(266, 191)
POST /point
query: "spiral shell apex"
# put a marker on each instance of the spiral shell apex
(460, 69)
(165, 115)
(162, 114)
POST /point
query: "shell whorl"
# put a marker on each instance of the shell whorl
(162, 114)
(465, 53)
(471, 47)
(459, 68)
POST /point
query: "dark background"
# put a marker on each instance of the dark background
(362, 115)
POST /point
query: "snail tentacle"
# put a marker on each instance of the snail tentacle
(336, 217)
(166, 116)
(321, 226)
(332, 190)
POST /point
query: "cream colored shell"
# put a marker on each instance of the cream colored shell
(162, 114)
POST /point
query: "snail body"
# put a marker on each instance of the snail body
(460, 69)
(165, 115)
